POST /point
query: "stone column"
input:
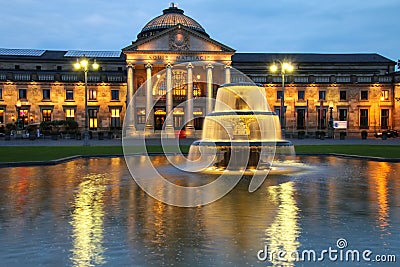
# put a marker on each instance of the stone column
(209, 93)
(228, 73)
(130, 110)
(189, 104)
(169, 122)
(149, 100)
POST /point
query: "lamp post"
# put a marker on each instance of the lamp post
(19, 115)
(83, 64)
(331, 130)
(285, 67)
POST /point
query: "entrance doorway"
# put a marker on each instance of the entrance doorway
(159, 118)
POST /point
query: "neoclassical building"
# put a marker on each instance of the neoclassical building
(41, 85)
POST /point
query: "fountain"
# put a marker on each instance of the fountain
(241, 134)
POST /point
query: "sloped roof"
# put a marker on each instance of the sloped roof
(310, 58)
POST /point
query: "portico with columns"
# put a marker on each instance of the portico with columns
(172, 63)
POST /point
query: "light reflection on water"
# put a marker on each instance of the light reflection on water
(87, 222)
(90, 212)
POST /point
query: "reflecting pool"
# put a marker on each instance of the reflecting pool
(90, 212)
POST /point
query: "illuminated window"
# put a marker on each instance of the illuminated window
(22, 94)
(23, 115)
(92, 95)
(1, 116)
(92, 119)
(364, 95)
(179, 81)
(115, 118)
(141, 115)
(385, 95)
(70, 114)
(364, 119)
(69, 94)
(46, 114)
(114, 94)
(46, 94)
(197, 90)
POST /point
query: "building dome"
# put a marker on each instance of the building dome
(171, 16)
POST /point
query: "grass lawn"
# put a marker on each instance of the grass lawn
(35, 153)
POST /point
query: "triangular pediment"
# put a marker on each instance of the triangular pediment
(178, 39)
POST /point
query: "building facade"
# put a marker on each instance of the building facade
(41, 85)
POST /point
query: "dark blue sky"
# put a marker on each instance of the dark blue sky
(338, 26)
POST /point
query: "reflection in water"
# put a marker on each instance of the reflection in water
(283, 233)
(379, 173)
(90, 212)
(87, 222)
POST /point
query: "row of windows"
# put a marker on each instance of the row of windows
(39, 67)
(342, 95)
(69, 94)
(301, 117)
(69, 115)
(322, 120)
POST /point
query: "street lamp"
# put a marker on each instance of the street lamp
(83, 64)
(19, 114)
(285, 67)
(331, 130)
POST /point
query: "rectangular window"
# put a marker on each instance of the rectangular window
(22, 94)
(1, 93)
(46, 114)
(17, 67)
(115, 94)
(92, 119)
(23, 115)
(38, 67)
(301, 118)
(69, 94)
(343, 95)
(364, 124)
(1, 116)
(279, 95)
(322, 95)
(384, 118)
(300, 95)
(141, 115)
(364, 95)
(115, 118)
(92, 95)
(385, 95)
(343, 114)
(70, 114)
(321, 118)
(46, 94)
(59, 67)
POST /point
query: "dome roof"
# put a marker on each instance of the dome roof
(171, 16)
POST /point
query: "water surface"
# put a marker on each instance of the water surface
(90, 212)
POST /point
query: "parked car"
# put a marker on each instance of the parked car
(389, 134)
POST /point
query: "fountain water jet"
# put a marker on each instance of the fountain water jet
(241, 134)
